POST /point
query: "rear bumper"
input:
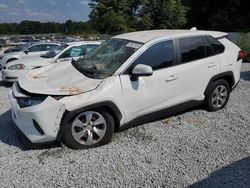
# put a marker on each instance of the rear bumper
(39, 123)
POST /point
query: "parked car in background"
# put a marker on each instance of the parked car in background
(27, 50)
(130, 79)
(64, 53)
(15, 49)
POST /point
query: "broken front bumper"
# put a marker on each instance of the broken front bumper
(39, 123)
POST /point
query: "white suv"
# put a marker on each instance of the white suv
(132, 78)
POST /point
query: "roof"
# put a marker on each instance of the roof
(37, 43)
(146, 36)
(82, 43)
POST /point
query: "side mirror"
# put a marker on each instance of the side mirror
(26, 52)
(141, 70)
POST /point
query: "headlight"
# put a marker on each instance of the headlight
(26, 102)
(16, 67)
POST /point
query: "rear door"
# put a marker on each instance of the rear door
(196, 66)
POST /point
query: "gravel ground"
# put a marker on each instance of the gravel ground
(195, 148)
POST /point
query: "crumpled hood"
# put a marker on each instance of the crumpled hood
(57, 79)
(32, 61)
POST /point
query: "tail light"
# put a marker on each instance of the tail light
(242, 54)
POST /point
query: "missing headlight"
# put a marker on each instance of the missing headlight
(26, 102)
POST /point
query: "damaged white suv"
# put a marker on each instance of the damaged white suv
(131, 79)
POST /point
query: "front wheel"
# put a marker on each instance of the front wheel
(217, 96)
(89, 129)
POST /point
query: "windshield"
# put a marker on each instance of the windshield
(52, 53)
(104, 60)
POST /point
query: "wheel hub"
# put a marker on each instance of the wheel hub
(219, 96)
(88, 128)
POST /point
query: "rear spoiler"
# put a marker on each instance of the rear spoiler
(216, 34)
(222, 37)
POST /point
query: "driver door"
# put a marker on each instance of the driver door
(151, 93)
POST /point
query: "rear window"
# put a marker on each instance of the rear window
(192, 49)
(216, 46)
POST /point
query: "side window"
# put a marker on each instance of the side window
(192, 49)
(215, 45)
(72, 52)
(36, 48)
(50, 47)
(90, 47)
(158, 56)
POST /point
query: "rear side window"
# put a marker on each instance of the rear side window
(73, 52)
(192, 49)
(36, 48)
(50, 47)
(90, 47)
(216, 45)
(158, 56)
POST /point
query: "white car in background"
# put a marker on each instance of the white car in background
(27, 50)
(66, 52)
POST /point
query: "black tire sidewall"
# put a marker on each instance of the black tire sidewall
(69, 140)
(213, 86)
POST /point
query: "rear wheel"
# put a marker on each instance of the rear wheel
(89, 129)
(218, 95)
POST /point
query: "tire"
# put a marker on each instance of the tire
(91, 131)
(217, 95)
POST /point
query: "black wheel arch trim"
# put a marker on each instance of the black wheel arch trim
(221, 76)
(69, 115)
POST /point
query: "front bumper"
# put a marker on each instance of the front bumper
(39, 123)
(11, 75)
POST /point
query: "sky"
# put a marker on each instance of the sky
(43, 10)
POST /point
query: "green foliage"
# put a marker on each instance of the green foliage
(224, 15)
(115, 16)
(243, 41)
(118, 16)
(35, 27)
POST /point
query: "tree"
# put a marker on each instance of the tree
(115, 16)
(165, 14)
(224, 15)
(35, 27)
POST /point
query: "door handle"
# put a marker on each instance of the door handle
(171, 78)
(211, 65)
